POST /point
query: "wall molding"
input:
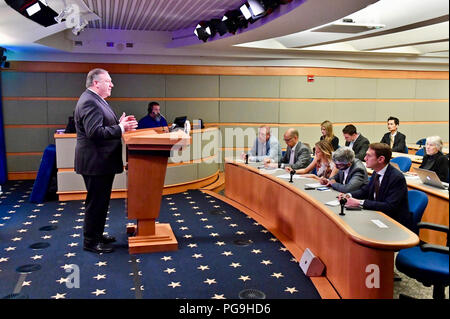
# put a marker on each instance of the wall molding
(76, 67)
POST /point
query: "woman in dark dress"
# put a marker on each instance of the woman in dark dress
(434, 160)
(327, 134)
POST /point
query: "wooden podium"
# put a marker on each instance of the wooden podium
(148, 152)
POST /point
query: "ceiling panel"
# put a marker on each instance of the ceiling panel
(156, 15)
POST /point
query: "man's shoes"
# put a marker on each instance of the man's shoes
(99, 248)
(106, 239)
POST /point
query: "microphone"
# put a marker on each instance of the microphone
(246, 158)
(292, 172)
(342, 201)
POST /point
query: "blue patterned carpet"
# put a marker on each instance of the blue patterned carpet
(208, 263)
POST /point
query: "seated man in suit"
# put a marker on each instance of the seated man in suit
(266, 146)
(387, 190)
(356, 141)
(154, 118)
(297, 155)
(395, 139)
(352, 174)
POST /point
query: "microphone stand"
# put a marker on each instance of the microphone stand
(292, 174)
(246, 158)
(342, 201)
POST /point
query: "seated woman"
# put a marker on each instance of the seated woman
(434, 160)
(322, 162)
(327, 134)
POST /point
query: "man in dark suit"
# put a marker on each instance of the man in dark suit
(352, 174)
(98, 154)
(395, 139)
(356, 141)
(387, 190)
(297, 155)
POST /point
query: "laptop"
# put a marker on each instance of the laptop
(430, 178)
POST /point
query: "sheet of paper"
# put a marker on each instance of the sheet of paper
(314, 185)
(379, 223)
(333, 203)
(288, 176)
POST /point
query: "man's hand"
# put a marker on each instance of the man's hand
(352, 202)
(129, 122)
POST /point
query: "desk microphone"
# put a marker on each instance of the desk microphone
(292, 174)
(342, 201)
(246, 158)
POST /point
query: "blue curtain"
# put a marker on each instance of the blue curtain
(3, 172)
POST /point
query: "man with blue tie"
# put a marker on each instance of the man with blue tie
(387, 190)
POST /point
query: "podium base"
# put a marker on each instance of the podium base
(163, 240)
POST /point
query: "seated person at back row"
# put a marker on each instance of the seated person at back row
(266, 146)
(352, 174)
(154, 118)
(434, 160)
(297, 155)
(395, 139)
(386, 191)
(322, 162)
(327, 134)
(356, 141)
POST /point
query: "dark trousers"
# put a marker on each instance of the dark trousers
(96, 205)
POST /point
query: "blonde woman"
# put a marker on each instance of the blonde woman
(326, 127)
(322, 162)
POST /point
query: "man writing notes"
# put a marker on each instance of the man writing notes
(98, 154)
(356, 141)
(387, 190)
(297, 155)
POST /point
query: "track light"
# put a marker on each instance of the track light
(202, 31)
(78, 28)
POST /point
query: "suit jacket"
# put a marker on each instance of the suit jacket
(399, 142)
(356, 178)
(392, 197)
(99, 146)
(302, 156)
(272, 150)
(360, 147)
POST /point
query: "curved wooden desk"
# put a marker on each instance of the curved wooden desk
(352, 247)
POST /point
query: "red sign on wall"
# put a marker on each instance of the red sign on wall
(310, 78)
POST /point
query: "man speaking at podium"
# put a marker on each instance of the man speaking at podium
(98, 154)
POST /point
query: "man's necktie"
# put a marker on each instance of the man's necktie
(392, 141)
(377, 185)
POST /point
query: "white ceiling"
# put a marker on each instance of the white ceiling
(414, 34)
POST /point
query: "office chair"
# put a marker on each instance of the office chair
(420, 152)
(426, 263)
(404, 163)
(422, 141)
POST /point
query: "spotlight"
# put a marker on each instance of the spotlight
(202, 31)
(63, 15)
(78, 28)
(219, 26)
